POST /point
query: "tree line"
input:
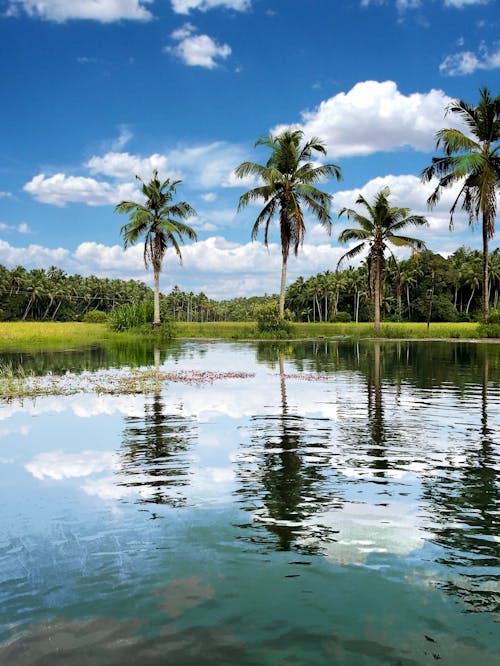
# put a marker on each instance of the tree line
(427, 286)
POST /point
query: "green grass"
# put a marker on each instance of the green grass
(248, 330)
(20, 336)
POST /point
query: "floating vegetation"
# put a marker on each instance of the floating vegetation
(15, 383)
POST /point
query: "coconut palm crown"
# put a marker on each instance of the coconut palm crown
(289, 179)
(377, 229)
(159, 221)
(471, 159)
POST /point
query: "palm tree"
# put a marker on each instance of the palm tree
(474, 162)
(377, 230)
(159, 220)
(288, 183)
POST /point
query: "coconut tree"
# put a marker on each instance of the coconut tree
(473, 161)
(159, 221)
(288, 184)
(377, 229)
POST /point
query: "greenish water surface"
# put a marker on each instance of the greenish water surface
(339, 505)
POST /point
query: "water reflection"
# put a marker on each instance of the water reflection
(375, 464)
(282, 474)
(155, 453)
(464, 502)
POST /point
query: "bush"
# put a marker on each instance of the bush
(95, 317)
(270, 323)
(341, 317)
(139, 317)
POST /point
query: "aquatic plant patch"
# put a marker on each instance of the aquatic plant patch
(14, 383)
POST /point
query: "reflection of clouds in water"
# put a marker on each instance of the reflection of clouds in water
(22, 430)
(233, 398)
(59, 465)
(362, 529)
(205, 484)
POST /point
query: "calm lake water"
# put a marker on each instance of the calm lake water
(338, 506)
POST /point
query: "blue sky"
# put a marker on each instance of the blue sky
(96, 92)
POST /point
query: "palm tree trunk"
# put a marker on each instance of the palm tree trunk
(485, 270)
(283, 285)
(470, 301)
(156, 320)
(377, 292)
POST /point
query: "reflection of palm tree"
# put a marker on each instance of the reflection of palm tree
(154, 453)
(376, 415)
(464, 505)
(287, 483)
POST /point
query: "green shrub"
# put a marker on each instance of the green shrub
(341, 317)
(95, 317)
(139, 318)
(269, 322)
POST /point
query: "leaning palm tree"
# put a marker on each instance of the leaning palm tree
(473, 161)
(288, 179)
(376, 230)
(159, 220)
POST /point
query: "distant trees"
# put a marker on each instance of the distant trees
(378, 229)
(288, 185)
(474, 163)
(160, 221)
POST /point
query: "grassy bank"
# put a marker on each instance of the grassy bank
(247, 330)
(53, 335)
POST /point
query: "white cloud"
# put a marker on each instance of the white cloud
(209, 196)
(467, 62)
(60, 189)
(32, 255)
(124, 137)
(22, 228)
(5, 195)
(104, 11)
(464, 3)
(204, 167)
(374, 116)
(185, 6)
(197, 50)
(125, 166)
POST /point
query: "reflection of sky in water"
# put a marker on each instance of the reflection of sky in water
(187, 505)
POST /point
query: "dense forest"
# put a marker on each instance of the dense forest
(415, 289)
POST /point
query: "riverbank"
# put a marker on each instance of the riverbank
(63, 335)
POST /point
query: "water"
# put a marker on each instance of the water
(338, 506)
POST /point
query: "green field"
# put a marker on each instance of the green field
(54, 335)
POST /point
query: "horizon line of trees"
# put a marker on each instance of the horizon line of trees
(416, 289)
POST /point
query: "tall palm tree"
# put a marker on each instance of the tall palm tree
(159, 220)
(474, 162)
(288, 184)
(378, 228)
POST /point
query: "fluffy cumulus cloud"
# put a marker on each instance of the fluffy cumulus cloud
(467, 62)
(34, 255)
(185, 6)
(375, 116)
(104, 11)
(60, 189)
(204, 166)
(126, 166)
(197, 50)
